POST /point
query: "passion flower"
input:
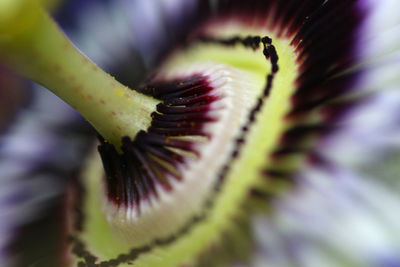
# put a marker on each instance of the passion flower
(214, 135)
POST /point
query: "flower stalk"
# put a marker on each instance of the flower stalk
(32, 44)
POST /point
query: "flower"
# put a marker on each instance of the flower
(329, 209)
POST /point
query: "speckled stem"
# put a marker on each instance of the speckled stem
(41, 52)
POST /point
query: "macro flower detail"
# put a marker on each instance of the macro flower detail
(242, 139)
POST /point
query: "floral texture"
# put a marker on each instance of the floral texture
(308, 178)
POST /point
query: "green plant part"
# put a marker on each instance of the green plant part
(33, 45)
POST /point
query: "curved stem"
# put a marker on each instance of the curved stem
(41, 52)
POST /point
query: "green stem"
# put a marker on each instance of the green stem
(41, 52)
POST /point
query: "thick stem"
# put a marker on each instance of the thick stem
(41, 52)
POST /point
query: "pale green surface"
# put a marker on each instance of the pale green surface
(19, 15)
(42, 53)
(245, 172)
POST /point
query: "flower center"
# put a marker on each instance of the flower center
(178, 206)
(168, 172)
(198, 157)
